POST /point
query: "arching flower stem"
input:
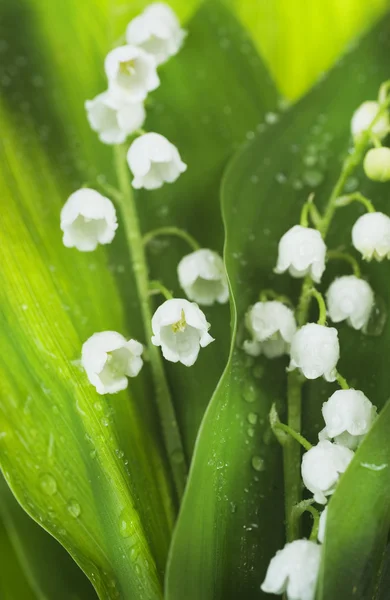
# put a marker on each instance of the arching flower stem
(170, 429)
(346, 257)
(171, 231)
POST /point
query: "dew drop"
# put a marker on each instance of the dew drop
(48, 484)
(252, 418)
(126, 528)
(250, 431)
(74, 508)
(258, 463)
(313, 177)
(177, 456)
(249, 394)
(271, 118)
(377, 318)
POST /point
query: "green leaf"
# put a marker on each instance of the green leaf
(262, 195)
(47, 566)
(358, 520)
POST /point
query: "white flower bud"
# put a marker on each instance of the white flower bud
(181, 329)
(272, 326)
(88, 219)
(322, 466)
(202, 276)
(109, 359)
(348, 415)
(352, 299)
(131, 74)
(153, 160)
(157, 31)
(114, 121)
(315, 351)
(377, 164)
(322, 525)
(364, 116)
(302, 252)
(371, 236)
(294, 570)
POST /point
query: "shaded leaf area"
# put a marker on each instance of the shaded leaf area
(45, 564)
(13, 581)
(262, 194)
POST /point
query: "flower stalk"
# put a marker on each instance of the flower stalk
(170, 429)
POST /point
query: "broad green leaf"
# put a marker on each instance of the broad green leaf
(358, 520)
(47, 567)
(89, 469)
(262, 194)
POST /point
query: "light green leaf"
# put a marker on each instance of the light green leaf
(262, 195)
(47, 566)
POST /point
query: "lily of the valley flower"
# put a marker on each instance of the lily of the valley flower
(153, 160)
(352, 299)
(294, 570)
(364, 116)
(202, 276)
(88, 219)
(131, 74)
(302, 252)
(377, 164)
(371, 236)
(272, 326)
(322, 466)
(157, 31)
(114, 120)
(315, 351)
(109, 359)
(181, 329)
(348, 416)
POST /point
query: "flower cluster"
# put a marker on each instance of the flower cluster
(89, 219)
(314, 347)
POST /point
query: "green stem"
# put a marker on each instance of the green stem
(176, 231)
(170, 429)
(321, 305)
(156, 287)
(292, 455)
(342, 381)
(266, 295)
(339, 255)
(294, 434)
(355, 197)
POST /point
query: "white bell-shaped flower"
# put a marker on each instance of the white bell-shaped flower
(352, 299)
(131, 74)
(272, 326)
(294, 570)
(109, 359)
(371, 236)
(153, 160)
(322, 525)
(157, 31)
(377, 164)
(364, 116)
(315, 351)
(302, 252)
(203, 278)
(88, 219)
(181, 329)
(348, 416)
(322, 466)
(113, 121)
